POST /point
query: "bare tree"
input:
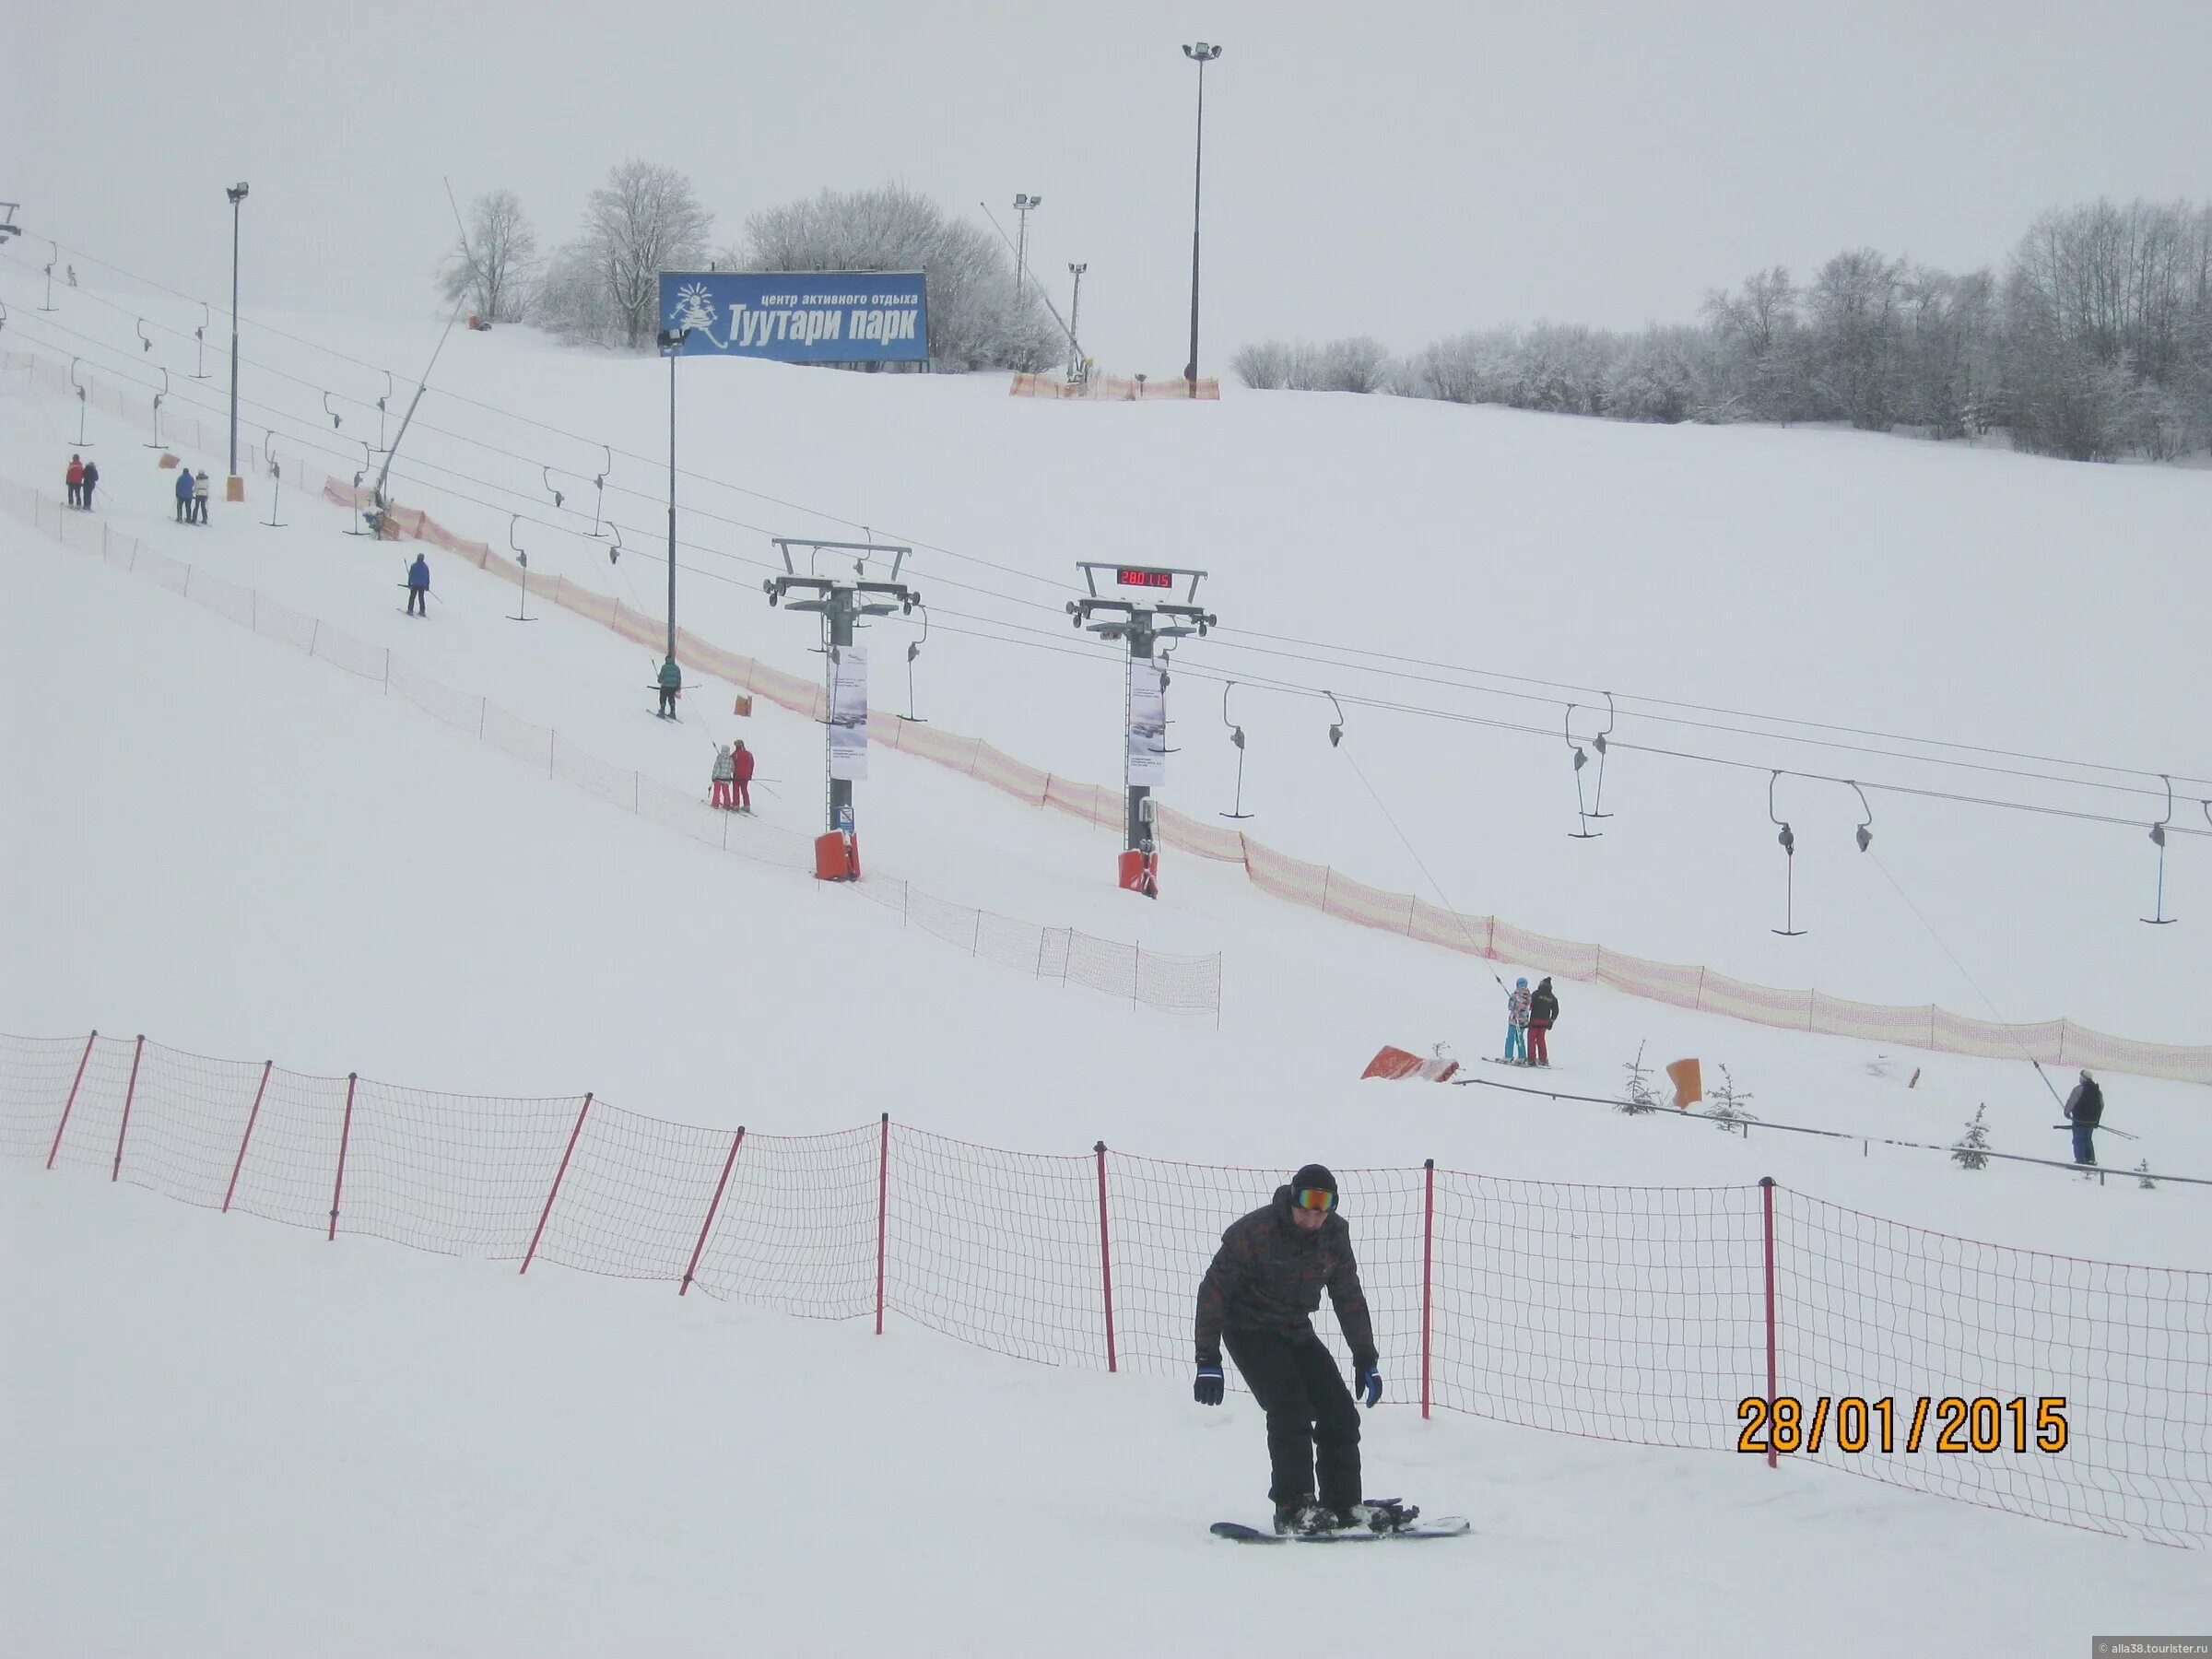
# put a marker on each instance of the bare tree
(643, 220)
(495, 262)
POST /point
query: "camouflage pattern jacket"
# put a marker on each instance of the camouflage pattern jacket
(1268, 1276)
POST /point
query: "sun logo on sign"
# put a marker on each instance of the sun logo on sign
(695, 309)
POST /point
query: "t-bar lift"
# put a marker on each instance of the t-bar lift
(1140, 621)
(836, 849)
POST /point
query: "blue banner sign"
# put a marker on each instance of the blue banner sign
(800, 316)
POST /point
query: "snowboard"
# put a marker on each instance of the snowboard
(1444, 1526)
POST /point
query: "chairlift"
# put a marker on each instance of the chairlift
(1335, 726)
(1863, 834)
(1603, 748)
(268, 450)
(523, 560)
(1788, 928)
(614, 551)
(337, 420)
(158, 398)
(199, 341)
(913, 649)
(1582, 808)
(600, 492)
(145, 341)
(2158, 917)
(546, 473)
(1236, 737)
(83, 440)
(362, 473)
(1167, 656)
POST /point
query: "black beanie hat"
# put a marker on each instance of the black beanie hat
(1313, 1175)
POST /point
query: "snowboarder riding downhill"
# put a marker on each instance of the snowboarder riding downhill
(1257, 1299)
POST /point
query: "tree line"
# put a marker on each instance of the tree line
(602, 286)
(2094, 344)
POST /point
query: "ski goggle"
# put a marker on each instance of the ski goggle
(1314, 1198)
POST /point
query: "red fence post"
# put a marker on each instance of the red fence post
(883, 1215)
(71, 1101)
(531, 1254)
(345, 1135)
(129, 1094)
(1766, 1192)
(1105, 1258)
(693, 1266)
(245, 1140)
(1428, 1280)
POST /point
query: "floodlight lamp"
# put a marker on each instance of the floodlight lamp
(237, 192)
(1202, 52)
(672, 338)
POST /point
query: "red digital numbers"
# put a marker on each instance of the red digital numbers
(1152, 578)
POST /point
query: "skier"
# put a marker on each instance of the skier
(1542, 1014)
(1516, 1024)
(199, 499)
(671, 681)
(741, 778)
(84, 485)
(183, 494)
(419, 587)
(76, 477)
(2085, 1110)
(724, 773)
(1258, 1298)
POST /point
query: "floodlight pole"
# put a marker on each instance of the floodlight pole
(236, 491)
(672, 344)
(1074, 312)
(1141, 627)
(1024, 204)
(1202, 55)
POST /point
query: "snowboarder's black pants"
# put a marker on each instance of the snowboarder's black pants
(199, 510)
(667, 703)
(418, 602)
(84, 492)
(1311, 1422)
(2085, 1148)
(77, 495)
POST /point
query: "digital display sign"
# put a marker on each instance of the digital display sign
(1145, 579)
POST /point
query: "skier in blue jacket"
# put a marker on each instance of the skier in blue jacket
(419, 587)
(183, 494)
(1516, 1023)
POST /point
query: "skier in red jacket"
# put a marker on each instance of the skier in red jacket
(741, 779)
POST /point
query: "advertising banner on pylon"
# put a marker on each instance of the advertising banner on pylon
(849, 712)
(1148, 723)
(800, 317)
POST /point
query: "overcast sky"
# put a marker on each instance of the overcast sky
(1407, 170)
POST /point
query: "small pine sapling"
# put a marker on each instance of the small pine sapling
(2143, 1178)
(1972, 1152)
(1728, 1114)
(1639, 1098)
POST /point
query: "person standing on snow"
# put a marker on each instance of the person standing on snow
(741, 778)
(419, 587)
(75, 477)
(183, 495)
(1516, 1024)
(671, 681)
(86, 484)
(2084, 1111)
(725, 774)
(1542, 1014)
(1258, 1298)
(199, 499)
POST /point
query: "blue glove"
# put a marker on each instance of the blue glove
(1370, 1387)
(1207, 1391)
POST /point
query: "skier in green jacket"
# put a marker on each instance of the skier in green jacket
(671, 682)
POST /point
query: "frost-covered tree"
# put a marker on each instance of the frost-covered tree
(976, 320)
(1971, 1150)
(643, 220)
(496, 263)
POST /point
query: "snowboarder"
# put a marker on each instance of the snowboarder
(725, 773)
(741, 778)
(1516, 1024)
(1258, 1298)
(419, 587)
(1542, 1014)
(183, 495)
(86, 484)
(199, 499)
(2085, 1110)
(75, 476)
(671, 681)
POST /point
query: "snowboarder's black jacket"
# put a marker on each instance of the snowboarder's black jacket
(1268, 1276)
(1544, 1006)
(2086, 1104)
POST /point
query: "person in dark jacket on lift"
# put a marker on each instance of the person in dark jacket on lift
(2084, 1111)
(1257, 1299)
(1542, 1014)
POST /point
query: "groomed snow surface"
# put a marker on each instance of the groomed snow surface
(228, 1437)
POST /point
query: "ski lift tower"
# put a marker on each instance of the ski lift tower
(1144, 618)
(845, 731)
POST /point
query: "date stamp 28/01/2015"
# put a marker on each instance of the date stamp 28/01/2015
(1983, 1424)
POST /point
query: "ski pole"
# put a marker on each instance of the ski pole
(2101, 1129)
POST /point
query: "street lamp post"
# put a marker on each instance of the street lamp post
(672, 344)
(1023, 205)
(237, 488)
(1202, 55)
(1074, 312)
